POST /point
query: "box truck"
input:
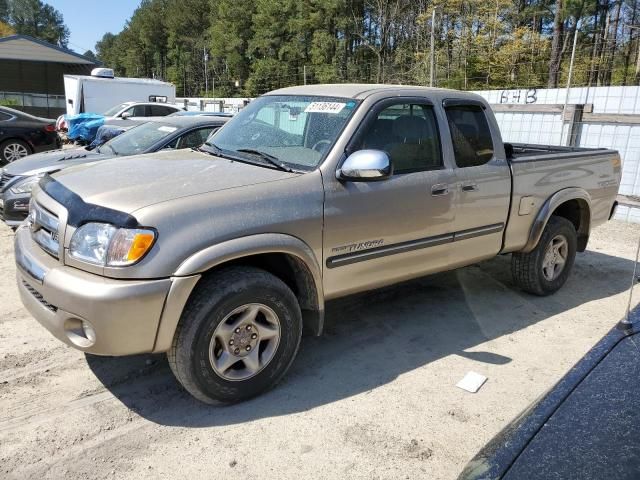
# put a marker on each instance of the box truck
(101, 90)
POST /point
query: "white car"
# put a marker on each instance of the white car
(130, 110)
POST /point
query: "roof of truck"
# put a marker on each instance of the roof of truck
(361, 90)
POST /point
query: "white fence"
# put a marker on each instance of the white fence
(226, 105)
(609, 117)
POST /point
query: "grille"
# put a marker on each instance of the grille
(44, 229)
(39, 297)
(4, 180)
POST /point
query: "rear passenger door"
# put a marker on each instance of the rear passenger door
(483, 182)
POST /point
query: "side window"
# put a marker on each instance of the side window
(4, 116)
(138, 111)
(194, 138)
(159, 111)
(470, 134)
(409, 134)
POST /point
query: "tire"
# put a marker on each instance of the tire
(529, 270)
(13, 149)
(201, 342)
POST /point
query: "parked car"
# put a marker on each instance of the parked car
(584, 428)
(22, 134)
(18, 179)
(127, 114)
(189, 113)
(225, 255)
(129, 110)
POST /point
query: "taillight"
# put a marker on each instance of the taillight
(50, 128)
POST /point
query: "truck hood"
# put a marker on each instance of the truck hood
(53, 161)
(130, 183)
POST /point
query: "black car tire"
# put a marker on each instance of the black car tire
(12, 143)
(214, 299)
(528, 268)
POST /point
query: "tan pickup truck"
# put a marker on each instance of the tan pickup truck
(223, 256)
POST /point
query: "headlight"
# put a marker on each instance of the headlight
(105, 245)
(25, 186)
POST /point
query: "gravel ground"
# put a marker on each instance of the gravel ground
(374, 398)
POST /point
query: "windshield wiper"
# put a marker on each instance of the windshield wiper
(213, 149)
(272, 159)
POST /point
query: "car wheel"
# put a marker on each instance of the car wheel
(237, 336)
(546, 268)
(13, 150)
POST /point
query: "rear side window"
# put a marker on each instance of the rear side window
(470, 134)
(409, 135)
(4, 116)
(160, 111)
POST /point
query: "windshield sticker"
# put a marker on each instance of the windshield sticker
(324, 107)
(164, 128)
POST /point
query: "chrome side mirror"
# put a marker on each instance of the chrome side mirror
(366, 166)
(126, 115)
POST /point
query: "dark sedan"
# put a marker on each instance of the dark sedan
(584, 428)
(22, 134)
(18, 178)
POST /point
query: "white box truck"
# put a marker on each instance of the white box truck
(101, 91)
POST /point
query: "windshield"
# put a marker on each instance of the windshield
(297, 130)
(138, 139)
(113, 110)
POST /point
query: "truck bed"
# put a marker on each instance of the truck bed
(531, 152)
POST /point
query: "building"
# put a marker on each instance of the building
(31, 74)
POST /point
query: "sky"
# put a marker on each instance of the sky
(89, 20)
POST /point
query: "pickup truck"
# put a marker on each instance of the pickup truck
(223, 256)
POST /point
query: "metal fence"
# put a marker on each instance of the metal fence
(606, 117)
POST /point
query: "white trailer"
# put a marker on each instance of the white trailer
(101, 91)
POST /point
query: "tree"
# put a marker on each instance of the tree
(32, 17)
(90, 54)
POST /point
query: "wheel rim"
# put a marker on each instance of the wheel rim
(244, 343)
(14, 151)
(555, 257)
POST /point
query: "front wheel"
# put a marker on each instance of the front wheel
(13, 150)
(237, 336)
(546, 268)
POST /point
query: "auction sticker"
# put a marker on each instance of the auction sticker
(165, 128)
(324, 107)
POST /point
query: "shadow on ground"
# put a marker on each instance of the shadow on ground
(371, 339)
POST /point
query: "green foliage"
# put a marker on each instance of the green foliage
(254, 46)
(35, 18)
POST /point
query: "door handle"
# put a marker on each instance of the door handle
(470, 187)
(439, 189)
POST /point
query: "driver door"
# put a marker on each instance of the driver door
(382, 232)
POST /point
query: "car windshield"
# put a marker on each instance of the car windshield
(113, 110)
(138, 139)
(297, 130)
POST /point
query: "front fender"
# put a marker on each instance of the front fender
(544, 214)
(190, 270)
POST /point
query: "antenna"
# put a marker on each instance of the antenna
(626, 321)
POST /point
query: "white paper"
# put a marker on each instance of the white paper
(471, 382)
(324, 107)
(165, 128)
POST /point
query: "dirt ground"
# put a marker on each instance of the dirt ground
(374, 398)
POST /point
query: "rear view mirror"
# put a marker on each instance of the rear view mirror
(366, 166)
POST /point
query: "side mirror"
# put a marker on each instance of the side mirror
(126, 115)
(366, 166)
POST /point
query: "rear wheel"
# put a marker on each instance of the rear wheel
(237, 337)
(13, 150)
(546, 268)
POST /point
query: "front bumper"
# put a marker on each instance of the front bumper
(14, 208)
(124, 315)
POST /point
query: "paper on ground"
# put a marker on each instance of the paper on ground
(471, 382)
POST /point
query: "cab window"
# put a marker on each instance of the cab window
(408, 133)
(470, 135)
